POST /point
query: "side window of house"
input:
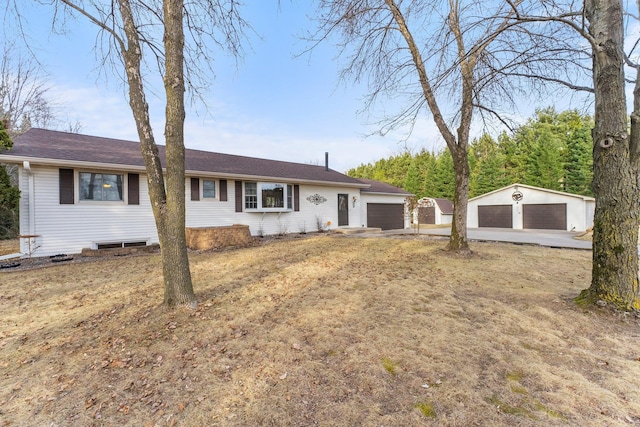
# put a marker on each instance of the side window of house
(208, 189)
(100, 186)
(251, 195)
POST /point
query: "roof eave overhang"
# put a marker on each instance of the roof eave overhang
(276, 178)
(69, 163)
(138, 168)
(381, 193)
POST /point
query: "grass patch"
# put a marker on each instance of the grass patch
(509, 409)
(10, 246)
(427, 409)
(389, 365)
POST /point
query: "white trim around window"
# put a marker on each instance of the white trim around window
(209, 189)
(268, 197)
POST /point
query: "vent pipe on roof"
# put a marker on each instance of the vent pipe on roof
(326, 160)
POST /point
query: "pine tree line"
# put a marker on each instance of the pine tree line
(551, 150)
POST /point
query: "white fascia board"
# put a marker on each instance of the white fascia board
(377, 193)
(259, 178)
(120, 167)
(530, 187)
(35, 161)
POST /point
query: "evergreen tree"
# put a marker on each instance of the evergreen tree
(546, 167)
(579, 160)
(5, 139)
(9, 195)
(444, 179)
(488, 162)
(412, 182)
(551, 150)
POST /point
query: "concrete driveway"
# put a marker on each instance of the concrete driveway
(551, 238)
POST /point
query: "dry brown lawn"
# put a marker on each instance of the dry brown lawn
(327, 331)
(9, 247)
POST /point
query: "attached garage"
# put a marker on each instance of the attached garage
(519, 207)
(496, 216)
(383, 206)
(385, 216)
(552, 216)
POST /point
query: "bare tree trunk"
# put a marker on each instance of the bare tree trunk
(458, 240)
(615, 231)
(169, 212)
(175, 261)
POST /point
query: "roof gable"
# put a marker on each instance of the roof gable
(69, 148)
(530, 187)
(445, 205)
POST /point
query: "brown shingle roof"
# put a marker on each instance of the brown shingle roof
(68, 148)
(445, 205)
(382, 187)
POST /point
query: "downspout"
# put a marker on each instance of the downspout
(32, 220)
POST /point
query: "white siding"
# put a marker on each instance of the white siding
(205, 213)
(70, 228)
(445, 218)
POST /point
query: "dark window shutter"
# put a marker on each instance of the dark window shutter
(223, 190)
(66, 187)
(296, 198)
(239, 196)
(195, 189)
(133, 189)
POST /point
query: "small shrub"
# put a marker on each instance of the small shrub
(283, 228)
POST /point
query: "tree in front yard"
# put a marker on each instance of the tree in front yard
(147, 39)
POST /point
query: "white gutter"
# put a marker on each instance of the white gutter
(32, 220)
(188, 172)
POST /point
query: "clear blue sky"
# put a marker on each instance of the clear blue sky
(271, 105)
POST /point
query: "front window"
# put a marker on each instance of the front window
(101, 186)
(208, 189)
(268, 196)
(272, 195)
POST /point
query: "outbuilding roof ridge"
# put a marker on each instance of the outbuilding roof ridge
(531, 187)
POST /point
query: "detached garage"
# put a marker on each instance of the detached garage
(525, 207)
(384, 206)
(433, 211)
